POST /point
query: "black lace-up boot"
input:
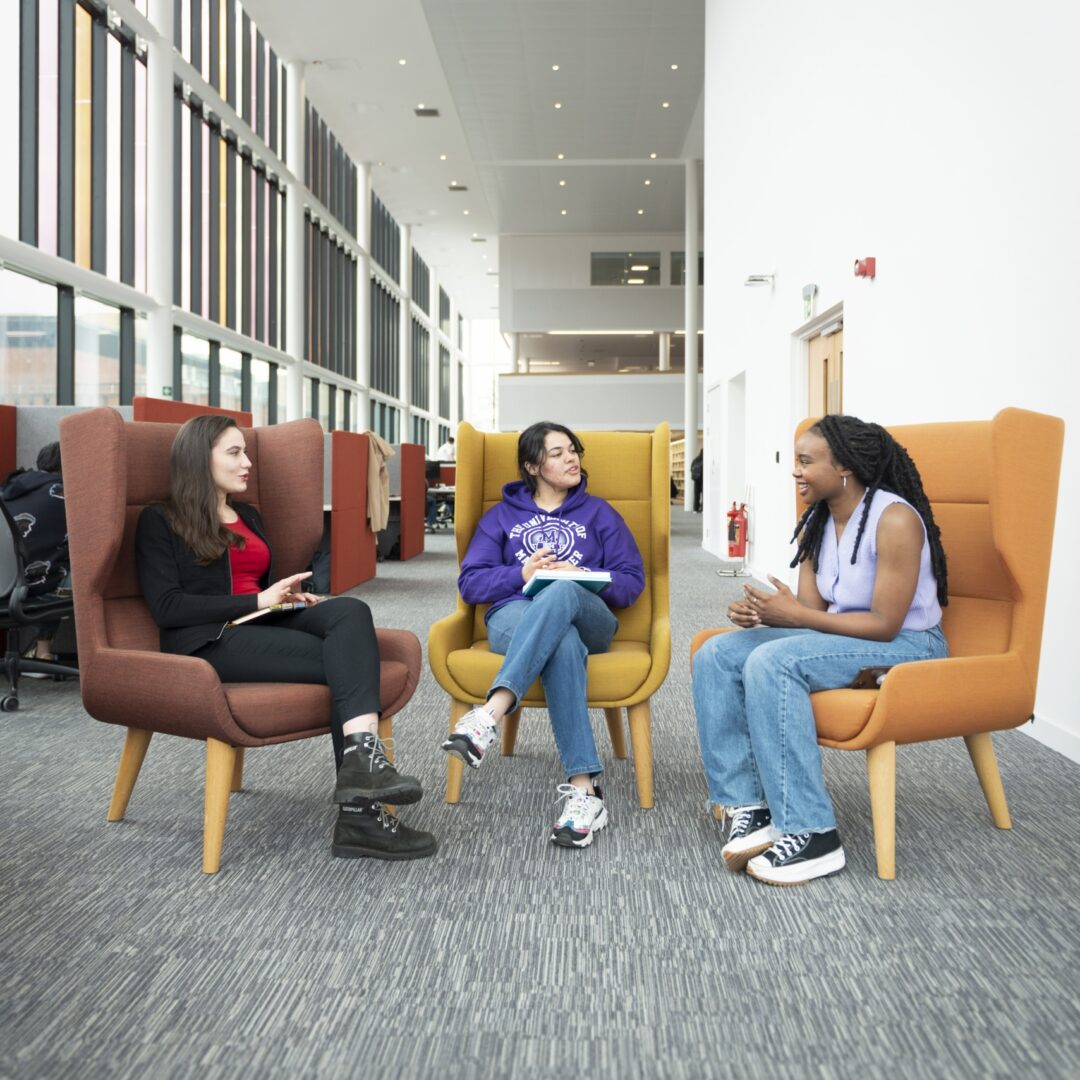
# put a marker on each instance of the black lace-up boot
(367, 773)
(369, 831)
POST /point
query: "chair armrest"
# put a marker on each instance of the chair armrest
(400, 645)
(940, 699)
(162, 692)
(702, 636)
(446, 636)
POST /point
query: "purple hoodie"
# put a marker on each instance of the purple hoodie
(585, 531)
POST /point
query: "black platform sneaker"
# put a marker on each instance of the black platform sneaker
(798, 858)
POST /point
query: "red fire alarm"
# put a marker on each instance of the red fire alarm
(866, 267)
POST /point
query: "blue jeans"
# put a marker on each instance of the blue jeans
(551, 637)
(756, 725)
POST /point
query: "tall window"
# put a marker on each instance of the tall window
(329, 172)
(385, 239)
(444, 312)
(421, 283)
(420, 431)
(330, 326)
(228, 223)
(79, 189)
(444, 381)
(28, 319)
(420, 381)
(384, 420)
(385, 335)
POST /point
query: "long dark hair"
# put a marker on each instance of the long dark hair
(879, 463)
(192, 505)
(531, 449)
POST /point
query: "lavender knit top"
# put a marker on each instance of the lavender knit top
(850, 588)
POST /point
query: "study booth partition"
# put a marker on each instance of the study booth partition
(404, 536)
(345, 501)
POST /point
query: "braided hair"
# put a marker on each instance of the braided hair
(879, 463)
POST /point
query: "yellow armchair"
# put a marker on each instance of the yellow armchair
(993, 486)
(631, 471)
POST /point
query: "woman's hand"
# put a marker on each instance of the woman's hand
(283, 591)
(743, 614)
(780, 608)
(542, 559)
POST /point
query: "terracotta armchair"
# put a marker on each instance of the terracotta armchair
(112, 469)
(993, 486)
(631, 470)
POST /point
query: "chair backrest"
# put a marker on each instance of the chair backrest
(167, 411)
(630, 469)
(993, 487)
(11, 570)
(113, 469)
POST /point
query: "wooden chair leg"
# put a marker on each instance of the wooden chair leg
(220, 763)
(641, 741)
(881, 771)
(615, 731)
(718, 813)
(509, 732)
(455, 768)
(238, 771)
(981, 749)
(386, 731)
(131, 759)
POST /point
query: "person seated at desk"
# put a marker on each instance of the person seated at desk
(204, 560)
(446, 452)
(35, 500)
(872, 583)
(548, 520)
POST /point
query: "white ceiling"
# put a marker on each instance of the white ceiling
(487, 66)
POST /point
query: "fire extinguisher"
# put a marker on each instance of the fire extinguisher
(736, 532)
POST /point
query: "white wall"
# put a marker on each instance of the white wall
(594, 402)
(488, 356)
(941, 139)
(544, 284)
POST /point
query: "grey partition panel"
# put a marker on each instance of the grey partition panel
(37, 425)
(393, 467)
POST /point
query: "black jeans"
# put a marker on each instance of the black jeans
(332, 643)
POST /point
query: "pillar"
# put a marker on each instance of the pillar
(692, 322)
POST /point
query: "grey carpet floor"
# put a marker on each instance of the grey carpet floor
(503, 956)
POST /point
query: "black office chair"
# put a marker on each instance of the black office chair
(18, 609)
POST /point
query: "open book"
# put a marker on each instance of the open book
(292, 605)
(593, 580)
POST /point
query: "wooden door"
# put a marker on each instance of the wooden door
(826, 374)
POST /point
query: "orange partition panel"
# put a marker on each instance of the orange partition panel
(352, 543)
(447, 475)
(165, 411)
(7, 440)
(413, 499)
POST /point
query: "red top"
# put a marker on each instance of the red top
(248, 563)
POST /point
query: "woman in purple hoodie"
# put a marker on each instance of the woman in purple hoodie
(547, 520)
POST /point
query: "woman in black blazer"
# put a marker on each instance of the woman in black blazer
(204, 560)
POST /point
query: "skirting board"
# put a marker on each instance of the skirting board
(1055, 735)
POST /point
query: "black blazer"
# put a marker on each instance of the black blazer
(190, 603)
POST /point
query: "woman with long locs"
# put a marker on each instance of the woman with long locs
(872, 583)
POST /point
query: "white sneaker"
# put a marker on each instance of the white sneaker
(582, 816)
(471, 737)
(750, 831)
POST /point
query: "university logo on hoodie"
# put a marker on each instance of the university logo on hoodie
(561, 537)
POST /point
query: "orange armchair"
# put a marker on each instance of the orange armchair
(993, 486)
(112, 469)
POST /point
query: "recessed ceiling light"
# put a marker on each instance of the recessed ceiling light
(635, 281)
(442, 157)
(674, 67)
(648, 182)
(640, 211)
(665, 105)
(560, 156)
(563, 212)
(562, 183)
(554, 67)
(420, 105)
(639, 267)
(653, 156)
(558, 104)
(466, 212)
(402, 61)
